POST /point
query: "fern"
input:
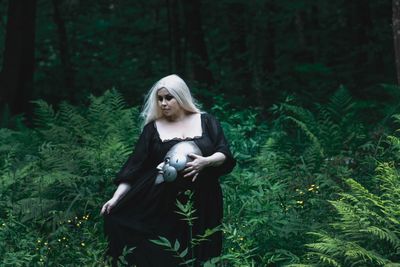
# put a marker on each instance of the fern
(303, 126)
(76, 150)
(367, 232)
(341, 104)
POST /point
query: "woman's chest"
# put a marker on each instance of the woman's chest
(179, 131)
(189, 127)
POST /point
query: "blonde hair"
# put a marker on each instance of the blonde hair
(177, 88)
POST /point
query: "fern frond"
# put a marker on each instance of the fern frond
(70, 118)
(349, 215)
(363, 194)
(303, 126)
(383, 234)
(333, 248)
(115, 100)
(358, 253)
(301, 113)
(44, 114)
(341, 103)
(301, 265)
(324, 259)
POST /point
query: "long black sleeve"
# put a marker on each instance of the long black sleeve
(220, 143)
(138, 160)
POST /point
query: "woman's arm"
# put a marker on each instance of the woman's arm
(199, 163)
(122, 189)
(215, 159)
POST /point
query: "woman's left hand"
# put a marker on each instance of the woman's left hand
(194, 167)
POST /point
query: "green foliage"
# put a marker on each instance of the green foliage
(366, 231)
(57, 174)
(289, 201)
(332, 128)
(304, 159)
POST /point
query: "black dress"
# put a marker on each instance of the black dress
(148, 210)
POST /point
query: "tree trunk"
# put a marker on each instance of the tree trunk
(171, 66)
(198, 56)
(238, 18)
(16, 77)
(299, 21)
(396, 35)
(359, 28)
(270, 53)
(64, 50)
(362, 27)
(315, 34)
(175, 35)
(263, 54)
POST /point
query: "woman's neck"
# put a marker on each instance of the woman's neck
(176, 117)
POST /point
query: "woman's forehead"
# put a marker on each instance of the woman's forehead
(163, 91)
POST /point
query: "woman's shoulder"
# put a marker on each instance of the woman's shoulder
(205, 115)
(209, 118)
(149, 128)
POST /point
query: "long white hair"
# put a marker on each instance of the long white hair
(177, 88)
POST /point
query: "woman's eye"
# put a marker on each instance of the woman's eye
(167, 97)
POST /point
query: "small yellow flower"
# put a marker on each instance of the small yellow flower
(59, 240)
(69, 221)
(39, 241)
(45, 243)
(82, 244)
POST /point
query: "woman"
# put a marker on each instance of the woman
(141, 209)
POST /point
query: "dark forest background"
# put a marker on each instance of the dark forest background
(261, 50)
(306, 91)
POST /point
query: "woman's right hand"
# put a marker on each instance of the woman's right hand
(108, 206)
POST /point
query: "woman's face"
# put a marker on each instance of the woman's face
(169, 106)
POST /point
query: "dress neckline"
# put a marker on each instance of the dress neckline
(180, 138)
